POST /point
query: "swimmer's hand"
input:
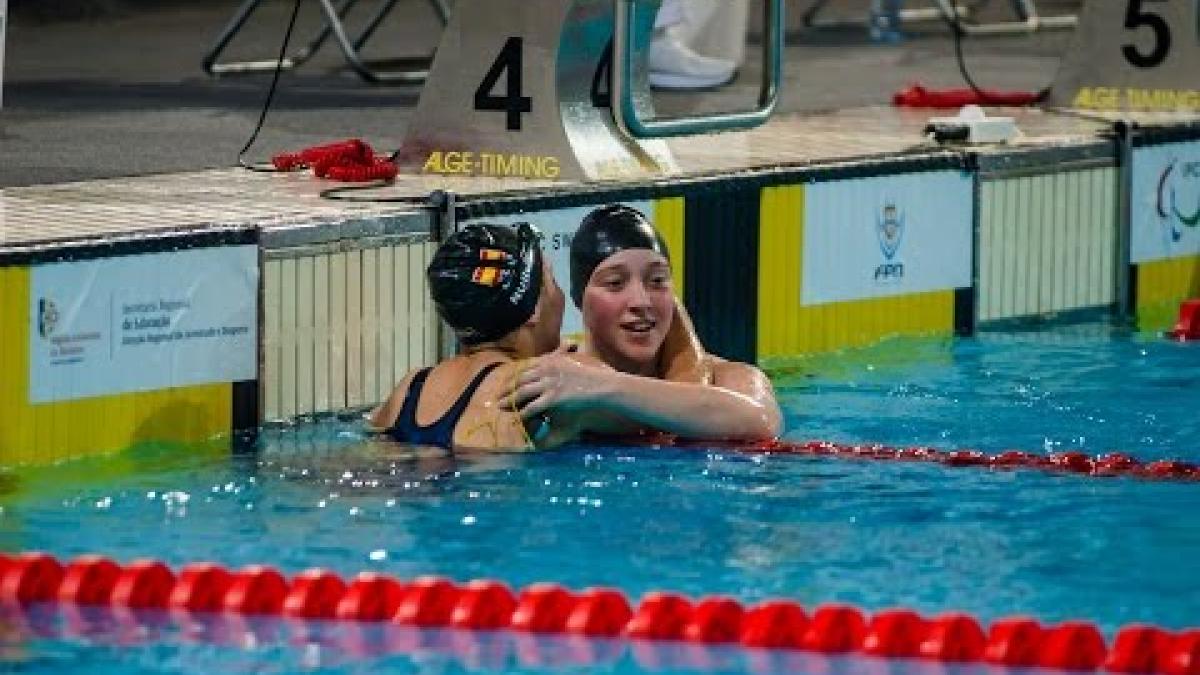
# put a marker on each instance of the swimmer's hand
(558, 381)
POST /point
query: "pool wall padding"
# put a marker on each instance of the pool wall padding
(341, 325)
(1164, 224)
(71, 426)
(1047, 243)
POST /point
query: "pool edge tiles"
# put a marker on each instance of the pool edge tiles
(105, 352)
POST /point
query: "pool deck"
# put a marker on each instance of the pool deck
(82, 101)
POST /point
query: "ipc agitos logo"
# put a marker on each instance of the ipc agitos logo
(889, 226)
(1178, 199)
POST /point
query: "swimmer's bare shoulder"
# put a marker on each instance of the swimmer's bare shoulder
(384, 417)
(748, 380)
(486, 426)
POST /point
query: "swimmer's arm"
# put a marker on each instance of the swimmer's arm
(751, 382)
(595, 421)
(697, 411)
(740, 407)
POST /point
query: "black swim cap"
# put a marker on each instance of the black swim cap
(607, 230)
(486, 279)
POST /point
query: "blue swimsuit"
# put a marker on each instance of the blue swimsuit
(441, 432)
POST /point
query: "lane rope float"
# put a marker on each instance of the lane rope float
(550, 609)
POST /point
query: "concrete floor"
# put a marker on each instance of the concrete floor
(123, 93)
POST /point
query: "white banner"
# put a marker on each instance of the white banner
(559, 229)
(889, 235)
(142, 323)
(1165, 202)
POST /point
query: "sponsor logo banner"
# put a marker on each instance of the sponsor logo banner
(1165, 202)
(890, 235)
(558, 229)
(142, 323)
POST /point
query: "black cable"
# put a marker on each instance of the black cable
(339, 193)
(262, 117)
(958, 33)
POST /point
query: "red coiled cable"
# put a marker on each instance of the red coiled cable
(916, 96)
(351, 160)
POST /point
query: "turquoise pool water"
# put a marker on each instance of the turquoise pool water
(697, 521)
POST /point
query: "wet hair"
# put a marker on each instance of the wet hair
(607, 230)
(485, 280)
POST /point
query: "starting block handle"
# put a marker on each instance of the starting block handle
(625, 113)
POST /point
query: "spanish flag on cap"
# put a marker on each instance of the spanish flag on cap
(486, 276)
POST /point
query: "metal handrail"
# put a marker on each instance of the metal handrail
(625, 112)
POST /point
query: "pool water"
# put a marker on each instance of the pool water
(697, 521)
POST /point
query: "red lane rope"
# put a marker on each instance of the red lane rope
(1074, 462)
(436, 602)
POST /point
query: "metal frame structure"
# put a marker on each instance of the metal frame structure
(1029, 20)
(413, 69)
(625, 112)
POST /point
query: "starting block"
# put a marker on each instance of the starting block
(557, 89)
(1132, 55)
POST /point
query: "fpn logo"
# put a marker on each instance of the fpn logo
(48, 317)
(889, 226)
(1178, 200)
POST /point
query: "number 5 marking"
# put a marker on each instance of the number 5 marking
(1135, 18)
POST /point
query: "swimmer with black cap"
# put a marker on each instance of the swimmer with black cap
(641, 360)
(491, 284)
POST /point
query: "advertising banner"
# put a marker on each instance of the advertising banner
(143, 323)
(559, 228)
(884, 236)
(1165, 202)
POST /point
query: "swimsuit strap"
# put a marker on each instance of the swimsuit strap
(450, 419)
(407, 419)
(441, 432)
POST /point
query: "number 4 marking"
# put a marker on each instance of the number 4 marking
(510, 60)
